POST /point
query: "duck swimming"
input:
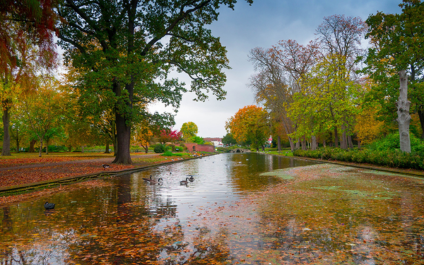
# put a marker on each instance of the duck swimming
(184, 182)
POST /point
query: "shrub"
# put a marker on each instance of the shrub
(167, 153)
(391, 158)
(159, 148)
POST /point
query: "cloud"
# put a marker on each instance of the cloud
(262, 25)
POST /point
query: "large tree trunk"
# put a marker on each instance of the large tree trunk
(403, 113)
(349, 140)
(278, 143)
(41, 147)
(421, 116)
(6, 134)
(336, 138)
(359, 144)
(17, 141)
(107, 148)
(47, 147)
(304, 147)
(314, 142)
(124, 133)
(291, 144)
(115, 146)
(343, 143)
(324, 143)
(31, 146)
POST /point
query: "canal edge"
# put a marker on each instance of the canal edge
(24, 188)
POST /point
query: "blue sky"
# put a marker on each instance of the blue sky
(262, 24)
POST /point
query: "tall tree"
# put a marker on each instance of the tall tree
(396, 53)
(140, 43)
(340, 37)
(250, 123)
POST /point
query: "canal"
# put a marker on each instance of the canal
(239, 209)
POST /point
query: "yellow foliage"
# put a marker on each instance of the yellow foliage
(367, 126)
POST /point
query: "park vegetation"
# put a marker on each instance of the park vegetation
(334, 93)
(118, 59)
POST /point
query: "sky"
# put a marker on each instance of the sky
(262, 24)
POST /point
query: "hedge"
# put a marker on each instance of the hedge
(390, 158)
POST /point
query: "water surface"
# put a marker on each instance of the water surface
(231, 213)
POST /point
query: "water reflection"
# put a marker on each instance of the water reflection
(223, 216)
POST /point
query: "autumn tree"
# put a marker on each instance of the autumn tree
(141, 42)
(250, 123)
(189, 129)
(42, 110)
(340, 37)
(280, 70)
(396, 55)
(329, 100)
(26, 43)
(169, 135)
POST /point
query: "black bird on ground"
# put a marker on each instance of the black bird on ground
(105, 166)
(184, 182)
(49, 206)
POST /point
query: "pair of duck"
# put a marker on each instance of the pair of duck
(153, 181)
(160, 180)
(184, 182)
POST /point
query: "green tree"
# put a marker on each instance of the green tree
(189, 129)
(129, 47)
(228, 139)
(396, 54)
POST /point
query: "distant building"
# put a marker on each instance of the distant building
(217, 142)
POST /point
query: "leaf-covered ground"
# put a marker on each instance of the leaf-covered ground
(30, 169)
(323, 214)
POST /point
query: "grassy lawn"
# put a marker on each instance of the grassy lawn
(281, 153)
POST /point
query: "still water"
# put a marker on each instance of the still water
(229, 214)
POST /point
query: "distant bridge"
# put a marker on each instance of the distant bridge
(240, 150)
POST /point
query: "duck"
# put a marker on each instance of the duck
(184, 182)
(49, 206)
(191, 178)
(105, 166)
(153, 181)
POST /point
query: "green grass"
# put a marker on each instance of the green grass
(284, 152)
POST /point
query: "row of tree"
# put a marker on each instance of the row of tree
(332, 89)
(119, 56)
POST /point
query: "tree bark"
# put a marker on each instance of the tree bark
(304, 143)
(336, 138)
(324, 143)
(359, 144)
(6, 134)
(17, 141)
(107, 148)
(421, 116)
(124, 133)
(41, 147)
(291, 144)
(82, 149)
(115, 146)
(403, 113)
(279, 143)
(31, 146)
(47, 147)
(349, 140)
(298, 143)
(70, 148)
(343, 143)
(314, 142)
